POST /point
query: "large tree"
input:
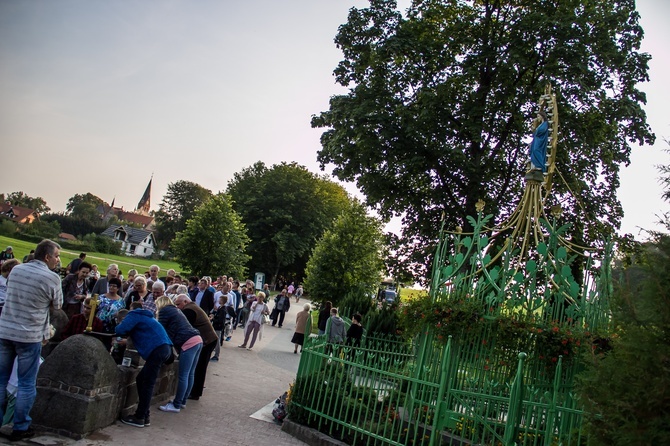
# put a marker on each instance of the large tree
(177, 207)
(348, 258)
(21, 199)
(85, 207)
(214, 240)
(440, 100)
(286, 209)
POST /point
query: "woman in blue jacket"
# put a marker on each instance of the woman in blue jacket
(188, 342)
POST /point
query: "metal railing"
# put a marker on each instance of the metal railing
(379, 394)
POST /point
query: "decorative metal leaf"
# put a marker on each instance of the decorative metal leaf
(561, 253)
(531, 266)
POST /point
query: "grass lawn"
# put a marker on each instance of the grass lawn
(21, 248)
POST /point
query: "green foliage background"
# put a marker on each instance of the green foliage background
(214, 241)
(347, 258)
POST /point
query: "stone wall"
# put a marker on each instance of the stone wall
(81, 389)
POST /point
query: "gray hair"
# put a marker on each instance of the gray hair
(45, 247)
(158, 284)
(112, 266)
(182, 289)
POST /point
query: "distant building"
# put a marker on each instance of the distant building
(139, 216)
(67, 237)
(134, 241)
(18, 214)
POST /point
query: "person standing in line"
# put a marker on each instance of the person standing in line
(109, 304)
(204, 297)
(5, 269)
(154, 345)
(102, 285)
(301, 323)
(75, 289)
(188, 343)
(32, 289)
(218, 317)
(73, 266)
(200, 321)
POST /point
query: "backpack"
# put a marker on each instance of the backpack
(279, 411)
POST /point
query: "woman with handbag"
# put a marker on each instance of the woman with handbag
(258, 312)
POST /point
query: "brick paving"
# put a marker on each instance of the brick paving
(238, 385)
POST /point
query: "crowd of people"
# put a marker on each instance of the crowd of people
(164, 316)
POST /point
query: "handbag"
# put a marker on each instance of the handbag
(266, 319)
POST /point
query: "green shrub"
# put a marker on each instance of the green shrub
(7, 228)
(626, 390)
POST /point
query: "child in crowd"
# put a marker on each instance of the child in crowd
(218, 317)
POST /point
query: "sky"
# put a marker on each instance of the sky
(97, 96)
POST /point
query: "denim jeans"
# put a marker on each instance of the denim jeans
(146, 379)
(187, 361)
(28, 355)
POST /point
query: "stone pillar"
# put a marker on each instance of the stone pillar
(78, 388)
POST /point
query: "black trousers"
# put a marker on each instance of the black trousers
(201, 369)
(280, 315)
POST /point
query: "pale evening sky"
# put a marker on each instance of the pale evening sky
(95, 95)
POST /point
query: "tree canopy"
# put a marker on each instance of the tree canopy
(214, 240)
(440, 101)
(286, 209)
(177, 207)
(84, 207)
(348, 258)
(23, 200)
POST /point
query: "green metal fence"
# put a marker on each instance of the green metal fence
(380, 394)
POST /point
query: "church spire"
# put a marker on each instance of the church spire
(145, 202)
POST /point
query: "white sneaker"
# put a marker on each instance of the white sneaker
(169, 407)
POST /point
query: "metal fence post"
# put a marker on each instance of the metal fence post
(515, 405)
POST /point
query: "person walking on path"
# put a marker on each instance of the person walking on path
(200, 321)
(282, 305)
(154, 345)
(256, 313)
(298, 293)
(301, 323)
(188, 343)
(32, 289)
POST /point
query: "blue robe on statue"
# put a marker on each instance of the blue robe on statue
(538, 148)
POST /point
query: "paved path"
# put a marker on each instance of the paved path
(237, 386)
